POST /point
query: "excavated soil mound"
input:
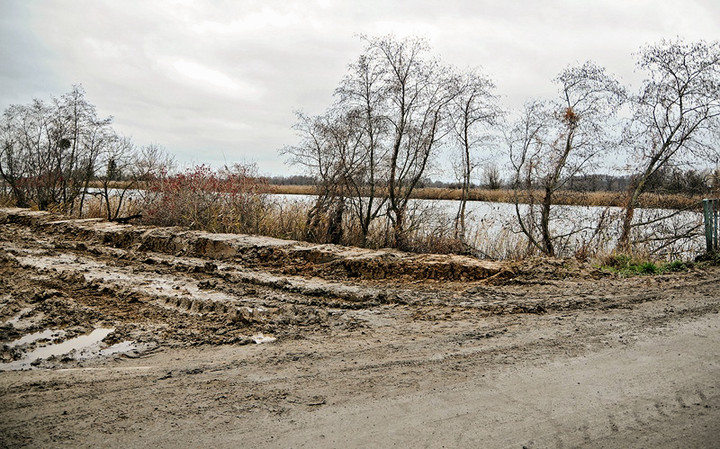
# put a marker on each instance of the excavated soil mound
(289, 256)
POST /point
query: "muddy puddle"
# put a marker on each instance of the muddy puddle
(262, 338)
(44, 345)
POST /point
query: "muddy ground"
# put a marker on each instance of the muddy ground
(236, 341)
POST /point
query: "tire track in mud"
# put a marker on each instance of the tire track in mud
(87, 290)
(181, 300)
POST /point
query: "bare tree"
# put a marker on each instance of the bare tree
(152, 161)
(50, 151)
(416, 108)
(554, 141)
(362, 94)
(474, 111)
(675, 116)
(374, 145)
(84, 137)
(22, 127)
(330, 149)
(126, 172)
(492, 179)
(119, 160)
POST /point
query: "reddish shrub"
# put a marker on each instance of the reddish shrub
(228, 200)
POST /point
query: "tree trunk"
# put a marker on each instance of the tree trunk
(465, 194)
(634, 192)
(548, 248)
(624, 240)
(335, 225)
(399, 231)
(313, 220)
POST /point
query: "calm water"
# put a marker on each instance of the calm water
(495, 224)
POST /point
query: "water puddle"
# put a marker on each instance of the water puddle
(47, 334)
(260, 338)
(118, 348)
(78, 348)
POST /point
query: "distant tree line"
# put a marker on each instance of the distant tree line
(668, 181)
(294, 180)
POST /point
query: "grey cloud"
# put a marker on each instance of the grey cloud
(218, 81)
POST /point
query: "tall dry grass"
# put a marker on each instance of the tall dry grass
(94, 207)
(6, 200)
(285, 220)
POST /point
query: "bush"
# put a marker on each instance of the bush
(647, 268)
(675, 266)
(232, 200)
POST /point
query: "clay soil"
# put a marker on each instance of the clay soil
(241, 341)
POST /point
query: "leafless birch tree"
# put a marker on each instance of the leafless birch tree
(555, 141)
(474, 112)
(676, 117)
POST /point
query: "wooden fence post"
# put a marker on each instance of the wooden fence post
(710, 213)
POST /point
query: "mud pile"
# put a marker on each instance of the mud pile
(288, 256)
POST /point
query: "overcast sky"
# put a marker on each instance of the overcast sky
(218, 81)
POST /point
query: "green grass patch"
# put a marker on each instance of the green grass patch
(626, 265)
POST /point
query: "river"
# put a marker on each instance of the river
(493, 227)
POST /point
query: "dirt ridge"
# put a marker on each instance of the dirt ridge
(292, 257)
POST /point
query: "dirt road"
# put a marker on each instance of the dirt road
(242, 342)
